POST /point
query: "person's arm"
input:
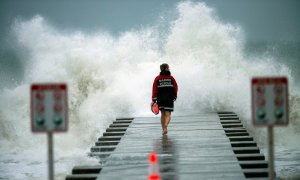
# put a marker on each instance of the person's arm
(175, 88)
(154, 90)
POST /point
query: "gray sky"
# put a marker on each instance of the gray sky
(262, 20)
(266, 21)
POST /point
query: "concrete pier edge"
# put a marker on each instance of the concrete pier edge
(102, 150)
(252, 162)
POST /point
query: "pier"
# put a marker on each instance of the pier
(200, 146)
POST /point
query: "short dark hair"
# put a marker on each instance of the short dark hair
(164, 66)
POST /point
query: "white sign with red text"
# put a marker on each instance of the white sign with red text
(270, 101)
(49, 107)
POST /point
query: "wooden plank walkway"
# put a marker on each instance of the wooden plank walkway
(202, 146)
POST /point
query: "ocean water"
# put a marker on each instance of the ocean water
(111, 76)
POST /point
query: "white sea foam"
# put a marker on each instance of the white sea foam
(112, 76)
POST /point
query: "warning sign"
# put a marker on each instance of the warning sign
(49, 107)
(270, 101)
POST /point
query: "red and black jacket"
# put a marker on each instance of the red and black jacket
(164, 87)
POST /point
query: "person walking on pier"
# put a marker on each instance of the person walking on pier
(164, 92)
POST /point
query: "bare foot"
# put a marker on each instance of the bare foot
(165, 131)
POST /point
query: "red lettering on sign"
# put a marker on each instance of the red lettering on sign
(40, 108)
(44, 87)
(260, 89)
(278, 89)
(278, 101)
(57, 108)
(260, 101)
(40, 95)
(57, 95)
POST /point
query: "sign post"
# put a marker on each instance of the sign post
(271, 152)
(50, 156)
(270, 108)
(49, 113)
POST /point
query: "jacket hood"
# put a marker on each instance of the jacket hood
(167, 73)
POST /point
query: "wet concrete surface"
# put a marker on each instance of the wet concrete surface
(196, 147)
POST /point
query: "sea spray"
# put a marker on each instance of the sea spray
(110, 76)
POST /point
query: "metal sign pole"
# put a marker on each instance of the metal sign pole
(50, 156)
(271, 152)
